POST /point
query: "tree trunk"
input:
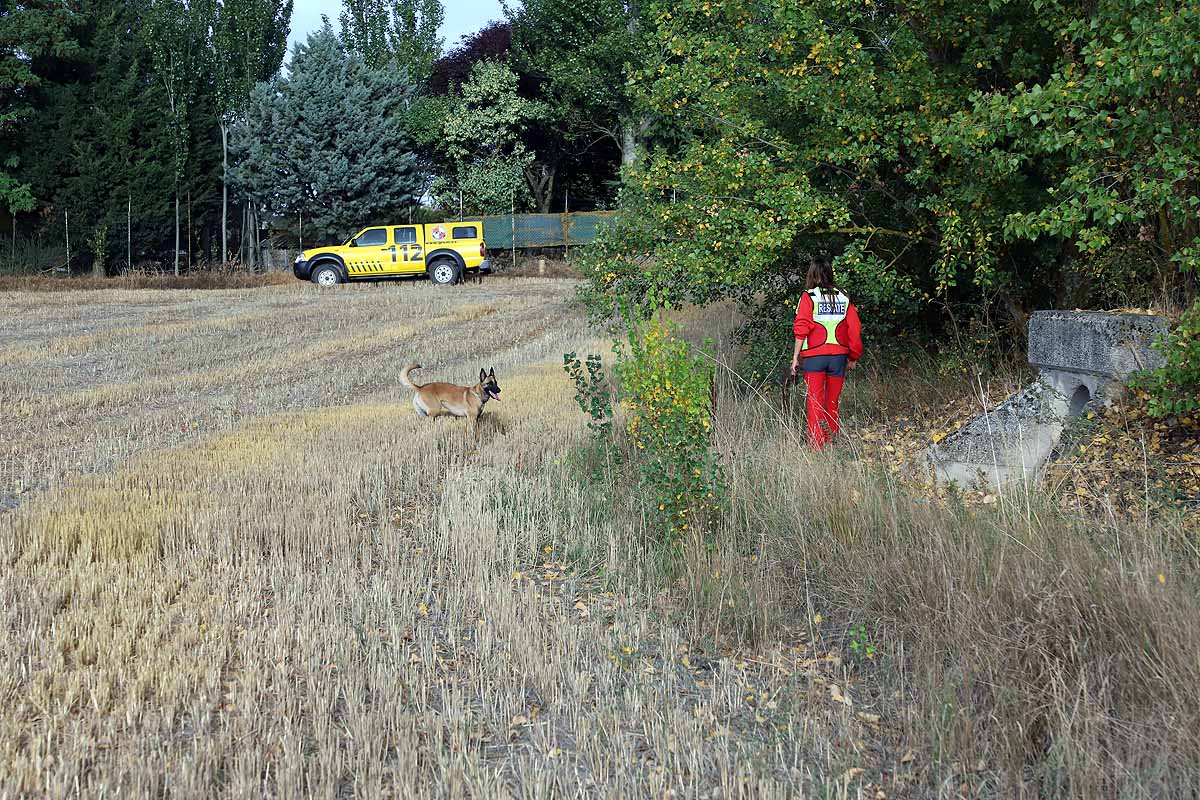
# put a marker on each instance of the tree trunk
(629, 142)
(540, 179)
(224, 190)
(177, 231)
(253, 239)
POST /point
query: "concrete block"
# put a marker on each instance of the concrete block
(1081, 356)
(1094, 342)
(1010, 442)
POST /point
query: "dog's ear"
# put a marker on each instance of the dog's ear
(482, 376)
(493, 372)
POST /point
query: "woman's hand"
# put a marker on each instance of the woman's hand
(850, 365)
(795, 367)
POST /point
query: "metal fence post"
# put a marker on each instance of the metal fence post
(567, 225)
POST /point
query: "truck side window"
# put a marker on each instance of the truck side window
(375, 237)
(405, 235)
(465, 232)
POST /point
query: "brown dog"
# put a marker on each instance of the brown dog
(448, 399)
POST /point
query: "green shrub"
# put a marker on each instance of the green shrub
(1174, 388)
(591, 393)
(667, 390)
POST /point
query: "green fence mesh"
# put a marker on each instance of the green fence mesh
(543, 230)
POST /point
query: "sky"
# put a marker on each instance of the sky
(462, 17)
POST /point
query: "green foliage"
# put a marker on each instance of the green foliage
(944, 151)
(667, 391)
(329, 141)
(481, 138)
(29, 31)
(247, 42)
(860, 642)
(582, 50)
(592, 393)
(1124, 275)
(594, 397)
(402, 34)
(98, 144)
(98, 245)
(15, 196)
(175, 33)
(1174, 388)
(798, 133)
(1119, 113)
(890, 300)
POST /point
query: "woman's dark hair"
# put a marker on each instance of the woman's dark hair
(820, 274)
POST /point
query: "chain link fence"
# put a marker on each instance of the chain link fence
(543, 230)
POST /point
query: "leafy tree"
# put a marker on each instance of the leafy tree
(328, 140)
(1120, 118)
(583, 49)
(800, 127)
(248, 39)
(490, 43)
(399, 32)
(175, 32)
(481, 136)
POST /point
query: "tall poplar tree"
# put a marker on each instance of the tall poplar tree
(399, 32)
(248, 40)
(175, 32)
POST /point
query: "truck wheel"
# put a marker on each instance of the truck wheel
(326, 275)
(444, 272)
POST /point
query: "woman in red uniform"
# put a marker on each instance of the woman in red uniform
(829, 339)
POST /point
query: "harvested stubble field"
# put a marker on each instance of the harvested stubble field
(233, 561)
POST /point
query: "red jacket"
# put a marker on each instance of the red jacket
(847, 332)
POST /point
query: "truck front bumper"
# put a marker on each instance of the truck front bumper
(302, 269)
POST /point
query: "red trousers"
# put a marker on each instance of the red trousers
(824, 377)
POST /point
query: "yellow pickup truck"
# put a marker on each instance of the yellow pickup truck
(445, 251)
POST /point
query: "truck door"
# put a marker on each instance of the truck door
(370, 254)
(408, 252)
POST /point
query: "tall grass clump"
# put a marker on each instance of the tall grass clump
(1034, 653)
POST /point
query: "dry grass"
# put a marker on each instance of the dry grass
(1027, 653)
(215, 278)
(527, 267)
(234, 563)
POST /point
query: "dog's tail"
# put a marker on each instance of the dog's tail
(407, 381)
